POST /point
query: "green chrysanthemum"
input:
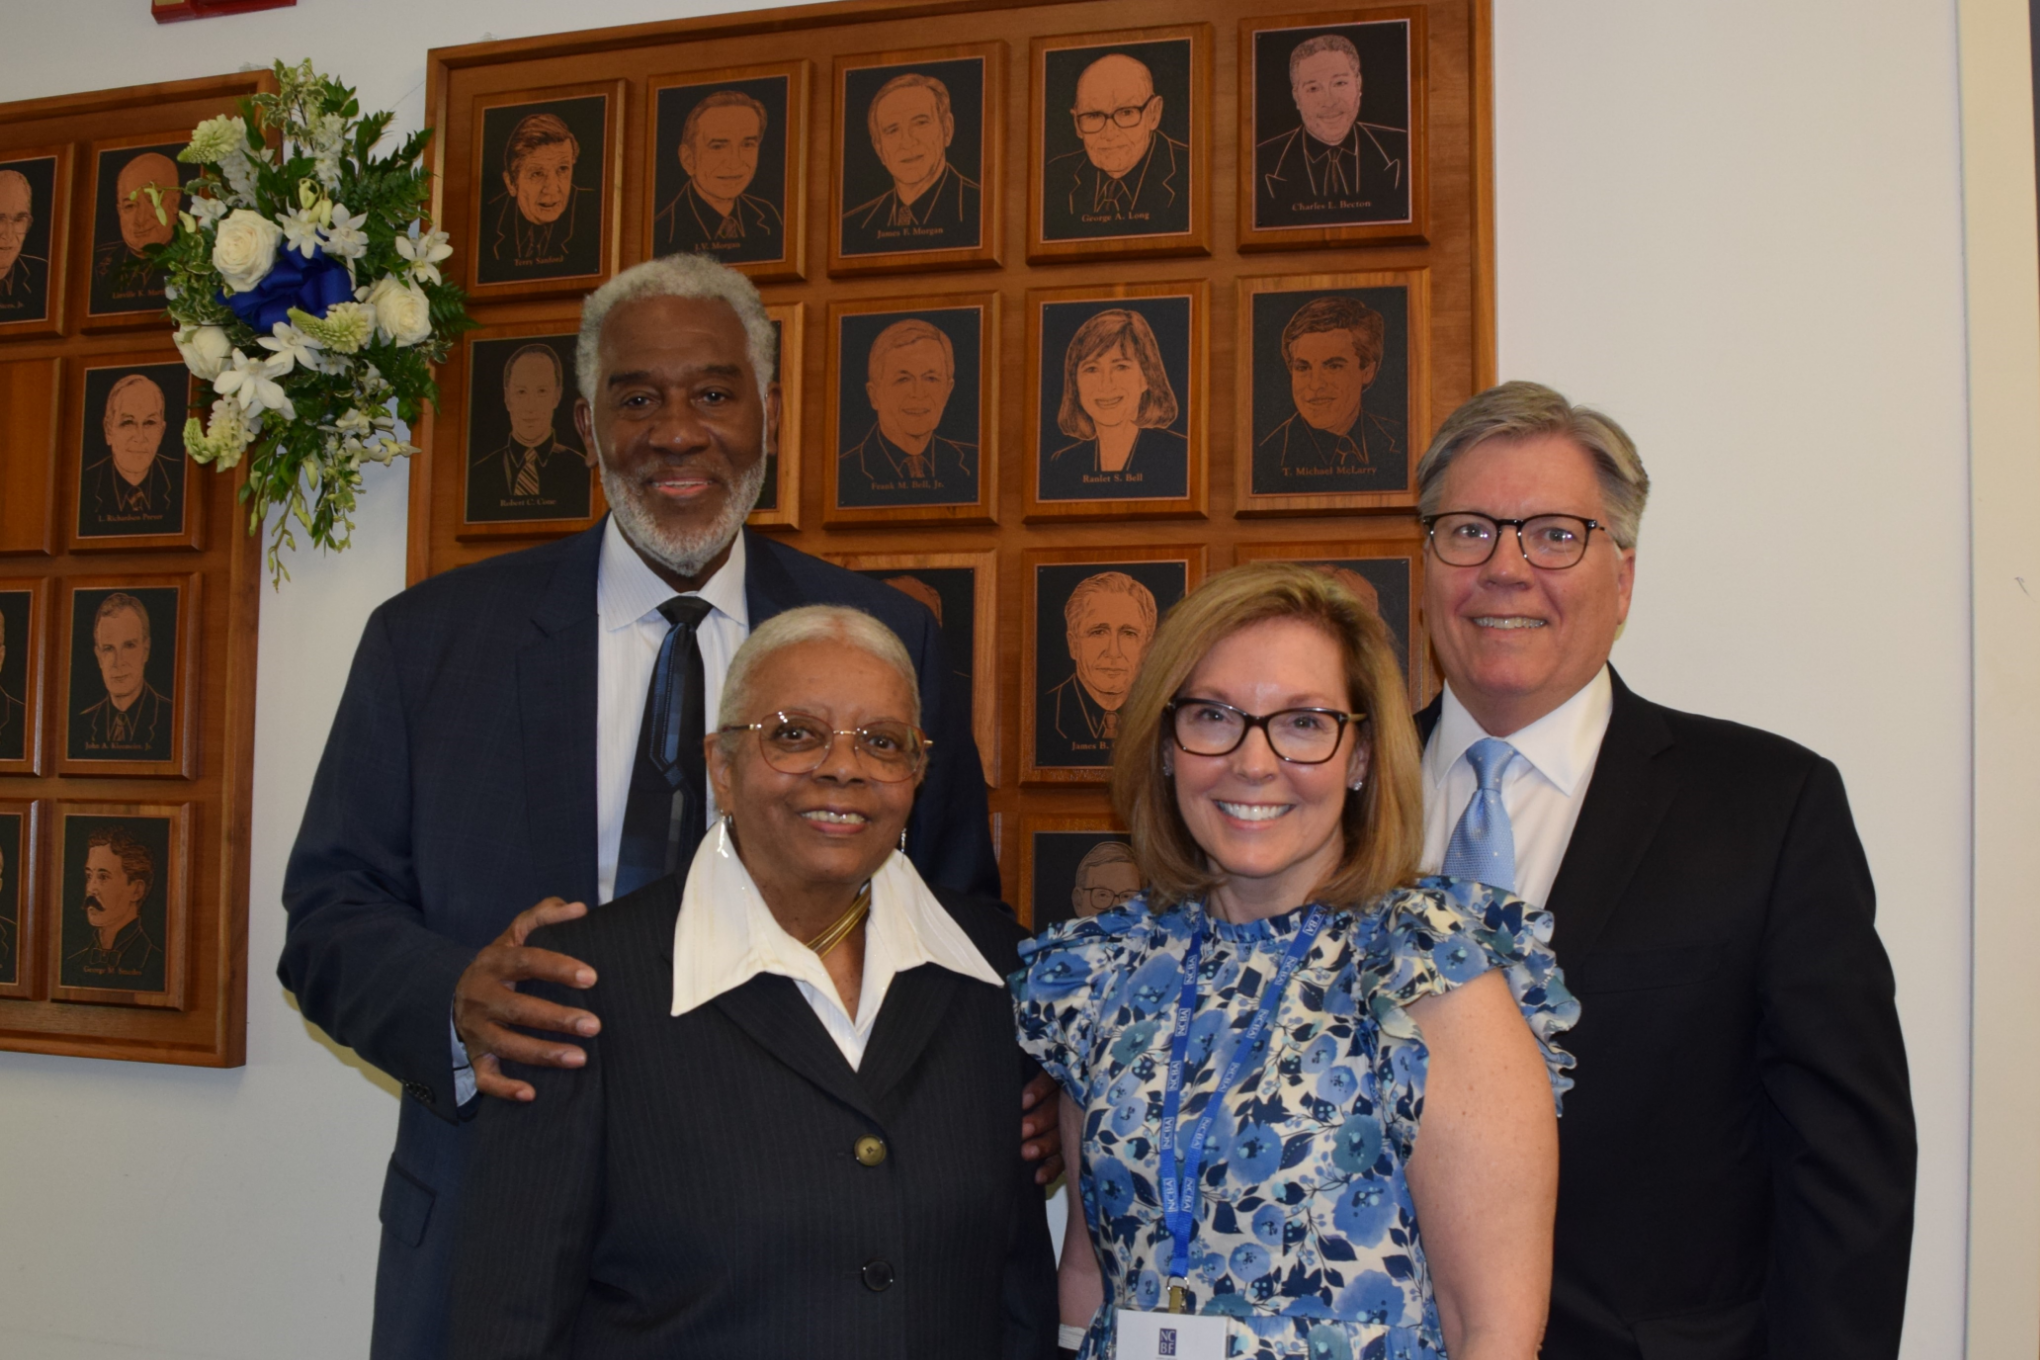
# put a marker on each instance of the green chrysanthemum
(213, 141)
(344, 329)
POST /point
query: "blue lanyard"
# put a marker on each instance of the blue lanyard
(1179, 1193)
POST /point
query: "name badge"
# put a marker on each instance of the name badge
(1167, 1336)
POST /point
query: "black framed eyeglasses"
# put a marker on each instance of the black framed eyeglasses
(1301, 736)
(799, 743)
(1463, 538)
(1126, 115)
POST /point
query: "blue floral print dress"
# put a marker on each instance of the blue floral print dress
(1306, 1237)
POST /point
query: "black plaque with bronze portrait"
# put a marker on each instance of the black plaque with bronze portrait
(1091, 624)
(130, 467)
(1334, 411)
(120, 896)
(1332, 128)
(15, 849)
(545, 179)
(1121, 143)
(1117, 409)
(727, 169)
(127, 218)
(21, 624)
(525, 458)
(910, 407)
(914, 172)
(126, 677)
(1073, 867)
(34, 192)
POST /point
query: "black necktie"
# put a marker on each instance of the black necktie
(665, 816)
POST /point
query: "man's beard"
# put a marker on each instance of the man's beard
(684, 554)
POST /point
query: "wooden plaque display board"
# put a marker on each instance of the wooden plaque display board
(96, 798)
(1252, 267)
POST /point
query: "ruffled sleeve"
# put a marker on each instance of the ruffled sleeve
(1060, 988)
(1446, 932)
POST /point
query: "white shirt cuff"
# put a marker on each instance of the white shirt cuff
(463, 1070)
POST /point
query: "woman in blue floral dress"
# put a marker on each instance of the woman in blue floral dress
(1378, 1179)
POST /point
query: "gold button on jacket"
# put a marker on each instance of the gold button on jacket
(870, 1151)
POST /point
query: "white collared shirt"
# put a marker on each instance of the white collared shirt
(627, 598)
(726, 936)
(1543, 785)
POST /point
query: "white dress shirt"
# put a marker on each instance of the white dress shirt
(627, 598)
(1543, 784)
(726, 936)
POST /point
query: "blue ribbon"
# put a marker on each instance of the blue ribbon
(1179, 1194)
(310, 285)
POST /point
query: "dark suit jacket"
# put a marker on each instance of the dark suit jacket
(871, 472)
(946, 217)
(1736, 1161)
(752, 230)
(1159, 186)
(563, 480)
(1158, 468)
(142, 733)
(1291, 191)
(692, 1190)
(13, 727)
(25, 289)
(458, 788)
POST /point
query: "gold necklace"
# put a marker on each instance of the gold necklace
(845, 925)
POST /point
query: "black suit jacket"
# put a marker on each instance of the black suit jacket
(693, 1190)
(1736, 1160)
(458, 788)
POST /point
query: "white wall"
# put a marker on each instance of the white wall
(1737, 225)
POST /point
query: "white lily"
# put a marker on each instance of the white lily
(252, 383)
(293, 346)
(345, 239)
(424, 252)
(301, 231)
(208, 211)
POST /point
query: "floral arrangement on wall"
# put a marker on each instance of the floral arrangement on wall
(304, 281)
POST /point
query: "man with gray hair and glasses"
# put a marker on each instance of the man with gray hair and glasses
(1737, 1161)
(523, 738)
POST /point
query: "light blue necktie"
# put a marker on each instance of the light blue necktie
(1482, 845)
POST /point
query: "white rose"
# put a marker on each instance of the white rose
(205, 350)
(403, 316)
(244, 248)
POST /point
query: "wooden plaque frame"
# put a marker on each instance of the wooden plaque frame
(204, 1022)
(1455, 253)
(175, 880)
(26, 869)
(1414, 231)
(983, 510)
(1192, 555)
(1196, 407)
(607, 193)
(1032, 825)
(990, 164)
(1196, 240)
(35, 668)
(1417, 364)
(799, 76)
(52, 321)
